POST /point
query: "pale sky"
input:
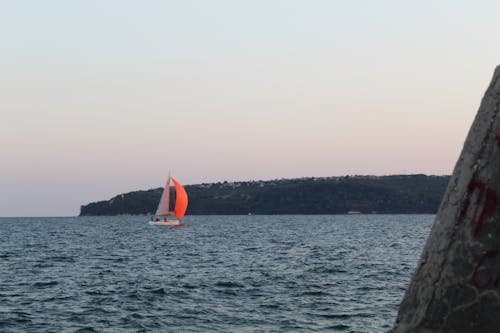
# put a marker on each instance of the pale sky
(100, 97)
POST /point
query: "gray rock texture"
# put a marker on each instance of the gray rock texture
(456, 287)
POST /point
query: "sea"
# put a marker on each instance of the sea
(279, 273)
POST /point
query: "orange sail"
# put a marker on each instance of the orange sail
(181, 200)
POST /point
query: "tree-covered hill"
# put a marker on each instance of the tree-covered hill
(398, 194)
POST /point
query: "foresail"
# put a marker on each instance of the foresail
(181, 200)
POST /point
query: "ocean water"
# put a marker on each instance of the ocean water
(220, 274)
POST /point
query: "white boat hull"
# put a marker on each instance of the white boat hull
(170, 223)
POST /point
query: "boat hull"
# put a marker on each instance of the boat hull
(168, 223)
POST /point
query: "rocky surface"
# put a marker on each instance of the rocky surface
(456, 287)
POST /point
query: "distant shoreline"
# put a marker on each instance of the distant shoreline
(144, 215)
(366, 195)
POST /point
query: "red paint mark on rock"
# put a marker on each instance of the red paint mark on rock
(485, 205)
(498, 140)
(485, 273)
(490, 280)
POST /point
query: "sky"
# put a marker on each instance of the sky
(99, 97)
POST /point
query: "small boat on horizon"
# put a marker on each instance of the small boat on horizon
(163, 215)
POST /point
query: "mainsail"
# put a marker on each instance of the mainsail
(164, 204)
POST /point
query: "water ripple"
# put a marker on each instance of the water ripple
(221, 274)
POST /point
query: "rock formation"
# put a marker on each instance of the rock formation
(456, 287)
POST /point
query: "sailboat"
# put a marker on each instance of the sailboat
(163, 215)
